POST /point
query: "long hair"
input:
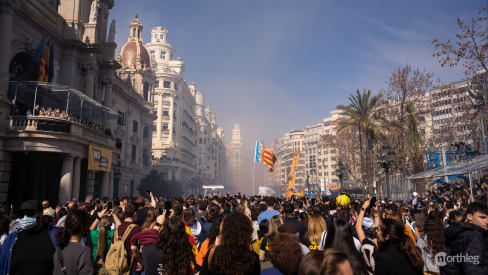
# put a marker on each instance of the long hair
(433, 234)
(214, 231)
(340, 236)
(188, 217)
(419, 218)
(77, 224)
(176, 250)
(316, 226)
(274, 223)
(234, 256)
(105, 224)
(152, 214)
(395, 232)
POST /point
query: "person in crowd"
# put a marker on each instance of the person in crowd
(311, 263)
(188, 217)
(47, 210)
(292, 229)
(262, 231)
(101, 235)
(151, 215)
(70, 206)
(468, 238)
(232, 254)
(71, 257)
(431, 242)
(291, 218)
(336, 262)
(209, 243)
(454, 216)
(172, 253)
(397, 253)
(285, 254)
(340, 236)
(142, 210)
(128, 224)
(270, 211)
(202, 211)
(316, 227)
(34, 234)
(274, 223)
(4, 223)
(212, 215)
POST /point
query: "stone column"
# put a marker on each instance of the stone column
(6, 15)
(111, 184)
(76, 178)
(65, 185)
(90, 183)
(105, 185)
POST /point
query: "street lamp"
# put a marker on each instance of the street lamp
(386, 160)
(340, 171)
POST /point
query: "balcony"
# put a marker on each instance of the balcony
(42, 124)
(54, 111)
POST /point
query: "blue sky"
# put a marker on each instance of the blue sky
(278, 65)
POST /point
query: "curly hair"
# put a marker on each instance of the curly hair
(176, 250)
(285, 253)
(234, 256)
(433, 233)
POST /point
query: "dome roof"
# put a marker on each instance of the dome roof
(132, 51)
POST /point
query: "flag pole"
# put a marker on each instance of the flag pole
(254, 164)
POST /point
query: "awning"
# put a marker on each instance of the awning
(476, 163)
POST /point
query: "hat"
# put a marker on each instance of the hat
(29, 205)
(414, 194)
(368, 222)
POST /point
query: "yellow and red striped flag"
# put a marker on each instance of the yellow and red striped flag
(264, 155)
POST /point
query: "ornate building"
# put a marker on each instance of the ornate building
(60, 140)
(236, 158)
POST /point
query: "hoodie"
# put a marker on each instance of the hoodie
(466, 240)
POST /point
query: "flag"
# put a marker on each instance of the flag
(264, 155)
(51, 63)
(44, 63)
(40, 48)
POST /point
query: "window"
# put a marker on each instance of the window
(165, 113)
(121, 119)
(162, 54)
(155, 36)
(167, 84)
(134, 152)
(156, 84)
(176, 87)
(145, 132)
(135, 125)
(153, 55)
(134, 32)
(161, 36)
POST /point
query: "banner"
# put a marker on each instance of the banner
(99, 159)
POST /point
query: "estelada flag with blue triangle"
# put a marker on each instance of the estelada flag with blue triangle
(44, 59)
(264, 155)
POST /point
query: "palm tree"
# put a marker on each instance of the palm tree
(359, 116)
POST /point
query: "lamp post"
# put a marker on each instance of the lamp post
(340, 174)
(385, 160)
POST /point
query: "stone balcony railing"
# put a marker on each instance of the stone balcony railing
(44, 124)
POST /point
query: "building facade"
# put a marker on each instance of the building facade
(317, 164)
(61, 140)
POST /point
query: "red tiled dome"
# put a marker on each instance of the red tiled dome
(131, 51)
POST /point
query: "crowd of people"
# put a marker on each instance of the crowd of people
(434, 232)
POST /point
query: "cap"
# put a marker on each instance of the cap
(414, 194)
(29, 205)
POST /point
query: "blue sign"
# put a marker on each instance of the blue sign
(312, 193)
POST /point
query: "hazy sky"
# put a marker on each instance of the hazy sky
(278, 65)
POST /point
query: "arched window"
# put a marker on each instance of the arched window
(134, 32)
(146, 91)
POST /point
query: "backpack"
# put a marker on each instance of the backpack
(116, 261)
